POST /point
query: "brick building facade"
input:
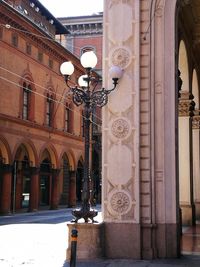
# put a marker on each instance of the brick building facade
(41, 143)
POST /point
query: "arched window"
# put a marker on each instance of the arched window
(49, 110)
(86, 49)
(68, 118)
(26, 101)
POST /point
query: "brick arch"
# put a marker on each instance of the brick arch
(5, 150)
(27, 77)
(53, 156)
(49, 99)
(30, 148)
(27, 81)
(71, 158)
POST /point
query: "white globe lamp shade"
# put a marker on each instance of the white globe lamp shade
(67, 68)
(115, 72)
(89, 60)
(82, 82)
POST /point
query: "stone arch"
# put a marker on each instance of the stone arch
(196, 145)
(176, 55)
(195, 88)
(183, 65)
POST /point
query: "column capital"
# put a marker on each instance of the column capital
(55, 172)
(7, 168)
(186, 105)
(196, 122)
(34, 170)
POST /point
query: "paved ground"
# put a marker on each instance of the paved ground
(40, 240)
(185, 261)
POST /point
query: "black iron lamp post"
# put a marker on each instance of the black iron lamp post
(87, 93)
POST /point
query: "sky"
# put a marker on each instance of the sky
(66, 8)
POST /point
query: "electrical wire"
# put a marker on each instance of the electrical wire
(8, 26)
(53, 100)
(44, 88)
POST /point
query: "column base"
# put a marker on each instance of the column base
(188, 214)
(122, 240)
(197, 210)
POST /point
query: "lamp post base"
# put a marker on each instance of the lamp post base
(86, 214)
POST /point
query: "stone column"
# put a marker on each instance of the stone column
(34, 189)
(54, 201)
(72, 189)
(196, 160)
(185, 161)
(5, 198)
(120, 131)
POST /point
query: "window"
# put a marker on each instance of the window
(40, 56)
(26, 101)
(50, 63)
(28, 49)
(14, 40)
(86, 49)
(49, 107)
(67, 119)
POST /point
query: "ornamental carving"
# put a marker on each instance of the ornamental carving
(183, 108)
(120, 202)
(121, 57)
(186, 108)
(196, 122)
(159, 11)
(115, 2)
(120, 128)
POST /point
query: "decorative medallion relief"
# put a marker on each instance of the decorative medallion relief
(120, 202)
(121, 57)
(120, 128)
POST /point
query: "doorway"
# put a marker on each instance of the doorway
(45, 176)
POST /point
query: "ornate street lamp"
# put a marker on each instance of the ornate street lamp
(87, 93)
